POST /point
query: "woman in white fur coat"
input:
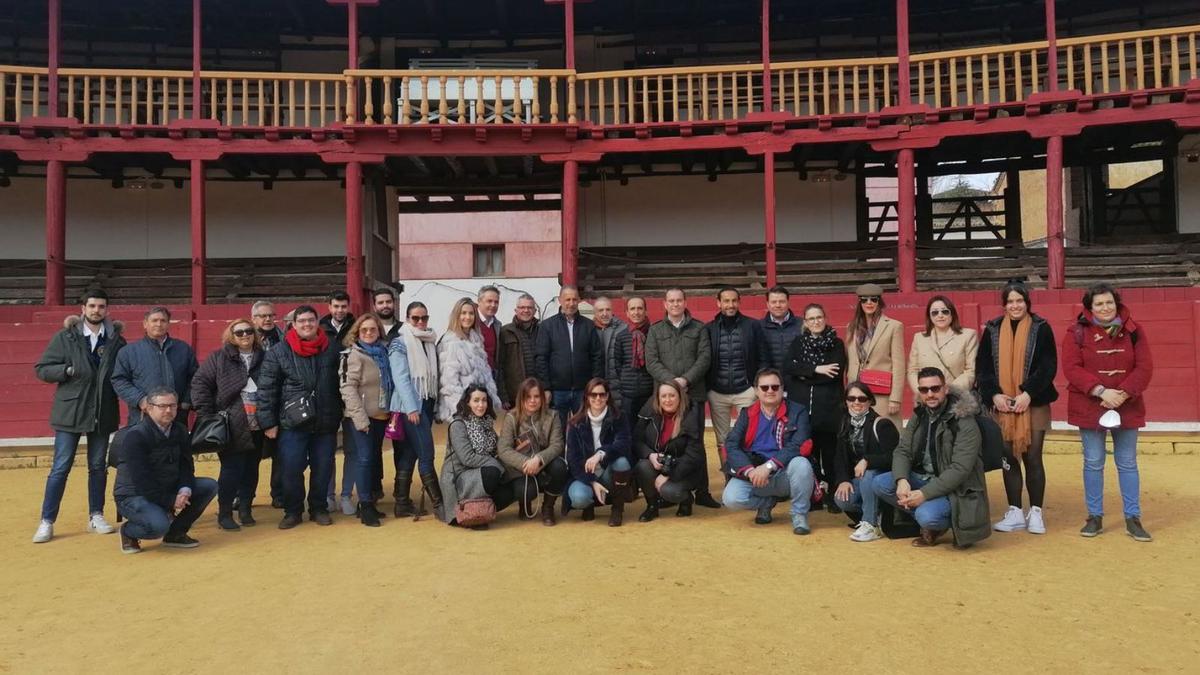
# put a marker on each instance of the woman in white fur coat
(462, 360)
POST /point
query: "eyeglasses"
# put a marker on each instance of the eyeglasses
(264, 316)
(930, 390)
(243, 332)
(164, 406)
(770, 387)
(304, 321)
(939, 312)
(598, 394)
(814, 319)
(857, 399)
(419, 319)
(868, 298)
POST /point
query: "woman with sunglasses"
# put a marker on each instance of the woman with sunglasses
(365, 380)
(225, 383)
(945, 345)
(1015, 368)
(864, 450)
(875, 346)
(598, 455)
(814, 368)
(413, 358)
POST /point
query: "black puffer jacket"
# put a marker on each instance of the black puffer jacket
(634, 383)
(737, 346)
(1041, 362)
(218, 386)
(821, 394)
(687, 447)
(285, 376)
(779, 338)
(154, 465)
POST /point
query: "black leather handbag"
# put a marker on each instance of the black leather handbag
(211, 432)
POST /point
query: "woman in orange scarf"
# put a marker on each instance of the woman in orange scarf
(1015, 368)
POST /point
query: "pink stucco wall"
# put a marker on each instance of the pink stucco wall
(439, 246)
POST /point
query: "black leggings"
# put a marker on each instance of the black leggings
(824, 450)
(501, 493)
(1035, 474)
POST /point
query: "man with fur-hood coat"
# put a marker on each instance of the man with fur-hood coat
(80, 360)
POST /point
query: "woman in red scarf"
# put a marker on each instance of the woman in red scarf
(670, 445)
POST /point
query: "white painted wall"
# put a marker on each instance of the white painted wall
(689, 209)
(439, 295)
(1188, 177)
(293, 219)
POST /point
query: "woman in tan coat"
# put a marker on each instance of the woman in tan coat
(531, 449)
(944, 345)
(365, 379)
(875, 347)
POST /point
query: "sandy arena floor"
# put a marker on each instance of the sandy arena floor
(713, 593)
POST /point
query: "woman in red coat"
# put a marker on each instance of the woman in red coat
(1106, 359)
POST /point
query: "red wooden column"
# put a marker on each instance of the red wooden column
(56, 231)
(1056, 255)
(354, 235)
(569, 33)
(769, 215)
(197, 96)
(52, 49)
(570, 222)
(352, 28)
(906, 253)
(766, 57)
(902, 67)
(1051, 48)
(199, 234)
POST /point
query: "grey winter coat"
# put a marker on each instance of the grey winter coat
(680, 352)
(461, 477)
(957, 459)
(84, 401)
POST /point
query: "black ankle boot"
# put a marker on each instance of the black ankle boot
(368, 515)
(246, 516)
(684, 510)
(651, 512)
(225, 519)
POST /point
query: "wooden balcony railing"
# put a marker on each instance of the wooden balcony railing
(1101, 64)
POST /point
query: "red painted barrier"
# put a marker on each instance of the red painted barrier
(1170, 317)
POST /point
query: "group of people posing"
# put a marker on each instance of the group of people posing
(596, 410)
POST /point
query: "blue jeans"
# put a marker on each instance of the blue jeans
(934, 514)
(417, 445)
(566, 403)
(863, 498)
(65, 445)
(367, 446)
(147, 520)
(795, 483)
(1124, 456)
(580, 495)
(349, 463)
(300, 450)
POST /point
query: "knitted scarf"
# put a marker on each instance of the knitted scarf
(307, 348)
(813, 348)
(638, 335)
(1112, 327)
(378, 353)
(421, 346)
(1017, 428)
(857, 424)
(482, 432)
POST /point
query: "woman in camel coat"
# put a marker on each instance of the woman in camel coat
(875, 345)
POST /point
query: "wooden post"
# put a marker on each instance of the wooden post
(766, 63)
(902, 67)
(1055, 252)
(906, 253)
(1012, 207)
(1051, 50)
(52, 48)
(569, 35)
(570, 221)
(197, 99)
(769, 215)
(56, 231)
(199, 234)
(354, 235)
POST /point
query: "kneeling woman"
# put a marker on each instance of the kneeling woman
(471, 470)
(531, 449)
(864, 449)
(598, 455)
(671, 447)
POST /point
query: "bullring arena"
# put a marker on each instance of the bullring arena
(204, 155)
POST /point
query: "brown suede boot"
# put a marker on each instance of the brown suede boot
(928, 538)
(548, 518)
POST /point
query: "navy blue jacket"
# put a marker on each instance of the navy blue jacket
(558, 366)
(146, 365)
(614, 441)
(791, 416)
(154, 465)
(779, 338)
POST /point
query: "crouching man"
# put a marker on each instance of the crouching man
(766, 452)
(937, 470)
(156, 488)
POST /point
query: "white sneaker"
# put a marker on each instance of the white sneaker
(99, 525)
(347, 506)
(45, 532)
(866, 532)
(1013, 520)
(1034, 522)
(331, 504)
